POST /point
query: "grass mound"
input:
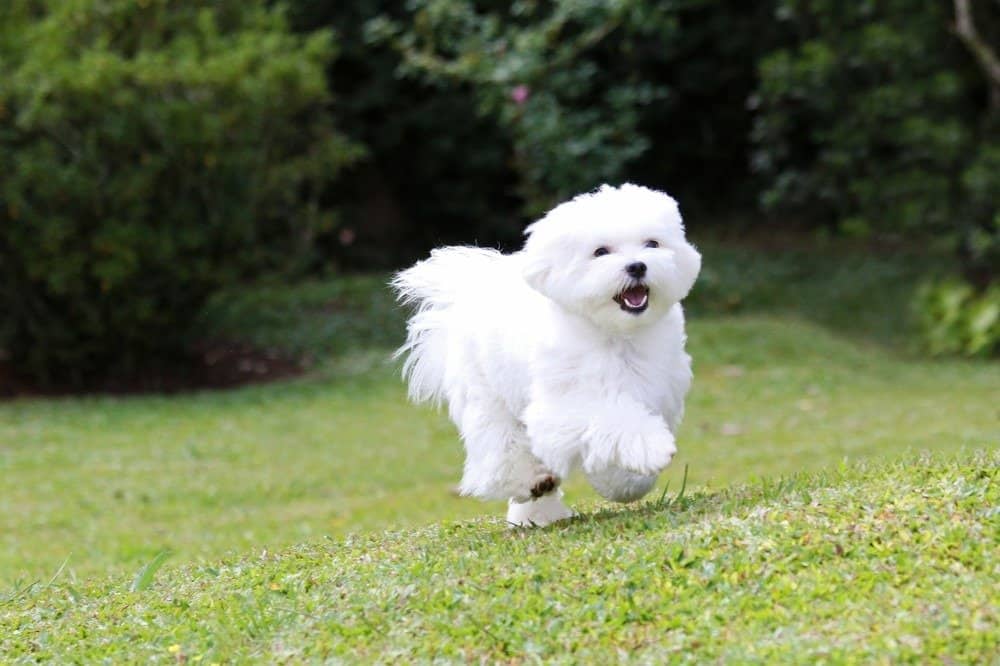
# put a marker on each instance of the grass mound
(888, 562)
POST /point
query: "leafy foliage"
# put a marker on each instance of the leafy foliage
(536, 70)
(580, 86)
(980, 185)
(435, 171)
(954, 318)
(151, 152)
(860, 119)
(154, 151)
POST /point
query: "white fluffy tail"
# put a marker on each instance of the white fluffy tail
(433, 286)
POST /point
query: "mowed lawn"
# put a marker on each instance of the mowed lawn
(104, 484)
(888, 563)
(101, 484)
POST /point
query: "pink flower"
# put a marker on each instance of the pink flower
(520, 94)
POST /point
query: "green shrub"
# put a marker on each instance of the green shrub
(954, 318)
(870, 116)
(434, 172)
(593, 92)
(981, 233)
(151, 152)
(532, 67)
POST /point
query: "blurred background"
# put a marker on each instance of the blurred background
(202, 194)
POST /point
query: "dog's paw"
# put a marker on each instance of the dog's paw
(647, 453)
(619, 485)
(538, 513)
(544, 485)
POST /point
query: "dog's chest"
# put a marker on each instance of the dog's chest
(651, 369)
(641, 374)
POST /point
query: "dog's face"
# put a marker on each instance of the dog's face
(616, 256)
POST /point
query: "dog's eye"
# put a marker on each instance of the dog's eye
(652, 243)
(601, 251)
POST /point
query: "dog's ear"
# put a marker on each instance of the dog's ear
(688, 263)
(536, 268)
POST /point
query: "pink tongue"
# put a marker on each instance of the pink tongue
(634, 296)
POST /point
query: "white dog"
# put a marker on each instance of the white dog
(569, 353)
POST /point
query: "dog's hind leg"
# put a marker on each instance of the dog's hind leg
(499, 464)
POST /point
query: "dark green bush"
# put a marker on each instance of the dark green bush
(593, 92)
(877, 119)
(980, 246)
(953, 318)
(151, 151)
(870, 117)
(435, 172)
(534, 68)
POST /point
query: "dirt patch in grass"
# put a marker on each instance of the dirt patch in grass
(211, 365)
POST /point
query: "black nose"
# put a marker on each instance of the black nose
(636, 269)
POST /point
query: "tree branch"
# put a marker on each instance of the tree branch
(965, 28)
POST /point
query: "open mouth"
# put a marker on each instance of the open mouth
(634, 299)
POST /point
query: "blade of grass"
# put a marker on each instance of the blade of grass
(19, 591)
(684, 483)
(663, 495)
(144, 578)
(680, 495)
(56, 574)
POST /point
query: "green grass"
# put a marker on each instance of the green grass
(866, 297)
(115, 513)
(893, 563)
(109, 482)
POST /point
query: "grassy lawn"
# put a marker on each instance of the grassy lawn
(795, 369)
(802, 362)
(882, 564)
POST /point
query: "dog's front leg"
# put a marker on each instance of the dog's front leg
(599, 432)
(625, 433)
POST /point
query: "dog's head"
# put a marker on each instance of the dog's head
(616, 256)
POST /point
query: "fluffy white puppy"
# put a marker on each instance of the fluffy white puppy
(567, 354)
